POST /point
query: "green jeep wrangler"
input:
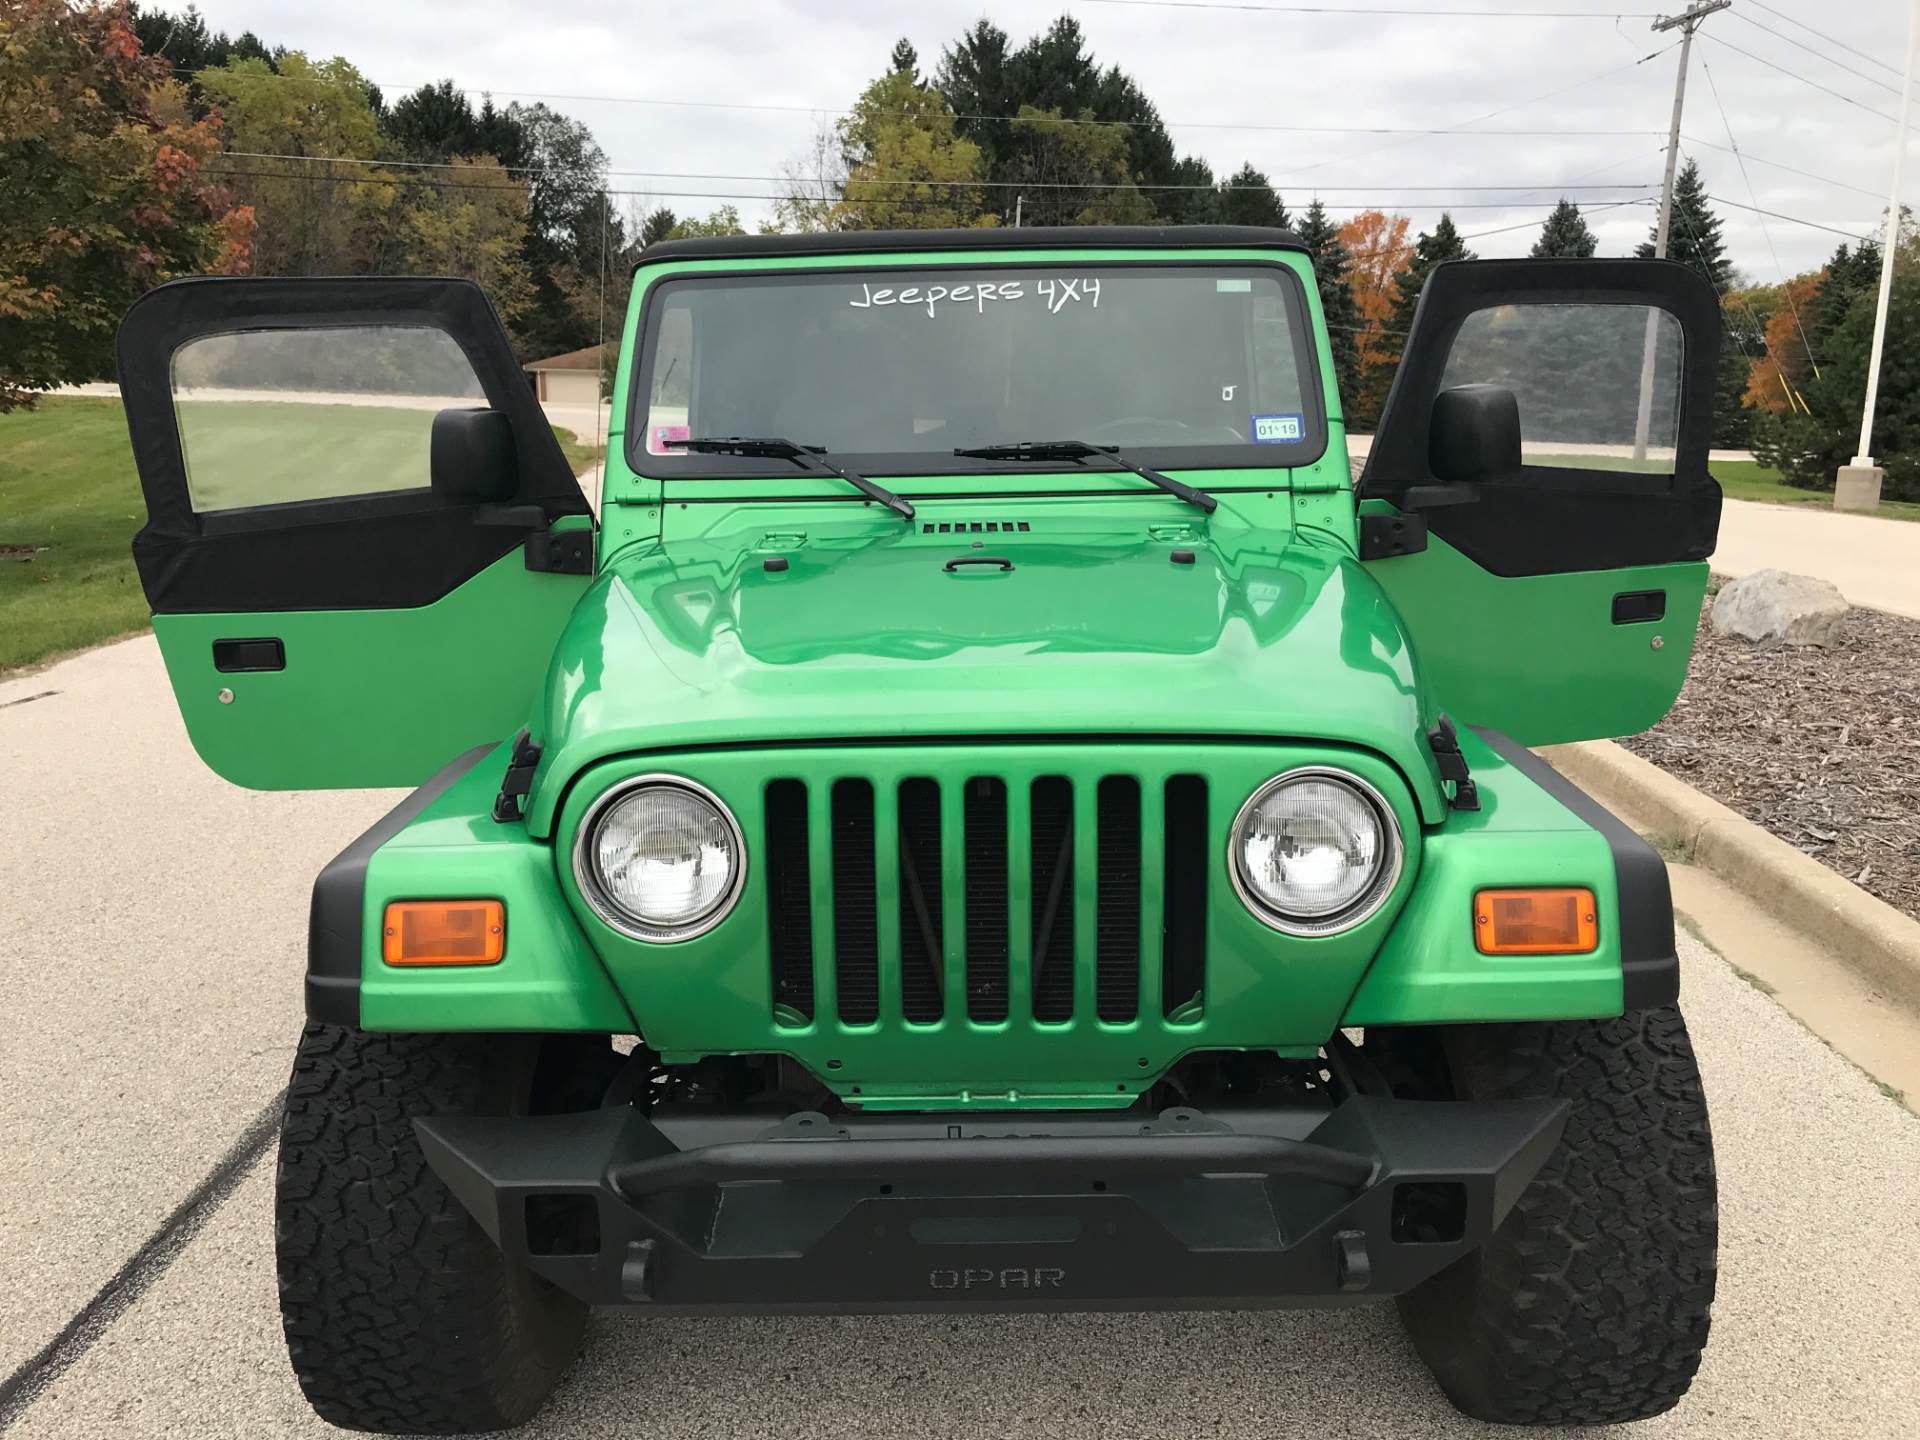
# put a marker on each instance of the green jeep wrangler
(985, 813)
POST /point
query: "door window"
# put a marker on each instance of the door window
(272, 416)
(1577, 372)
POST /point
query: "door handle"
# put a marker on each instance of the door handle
(241, 657)
(1639, 607)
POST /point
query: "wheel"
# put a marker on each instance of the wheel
(400, 1314)
(1589, 1306)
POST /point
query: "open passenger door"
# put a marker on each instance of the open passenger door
(1537, 503)
(362, 535)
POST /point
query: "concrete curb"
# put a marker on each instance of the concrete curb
(1875, 940)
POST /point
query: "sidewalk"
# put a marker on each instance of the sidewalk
(1876, 563)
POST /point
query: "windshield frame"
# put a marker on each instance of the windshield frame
(922, 463)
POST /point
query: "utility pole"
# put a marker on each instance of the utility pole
(1857, 486)
(1020, 199)
(1686, 24)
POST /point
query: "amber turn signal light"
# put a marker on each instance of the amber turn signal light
(1535, 922)
(444, 932)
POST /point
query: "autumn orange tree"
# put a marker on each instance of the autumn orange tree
(1379, 249)
(102, 190)
(1782, 372)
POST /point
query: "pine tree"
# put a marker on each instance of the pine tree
(1431, 249)
(1565, 235)
(1331, 270)
(905, 57)
(1249, 199)
(1695, 237)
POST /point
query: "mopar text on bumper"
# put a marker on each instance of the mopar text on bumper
(1036, 1211)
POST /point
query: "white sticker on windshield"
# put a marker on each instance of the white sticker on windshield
(931, 300)
(1233, 287)
(1279, 429)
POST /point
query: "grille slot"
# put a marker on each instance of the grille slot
(789, 897)
(856, 933)
(1052, 947)
(1183, 964)
(922, 918)
(974, 527)
(1117, 936)
(985, 813)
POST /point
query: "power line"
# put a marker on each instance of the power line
(1786, 280)
(1249, 6)
(1790, 169)
(1788, 39)
(1461, 127)
(954, 184)
(1830, 39)
(1529, 224)
(829, 111)
(311, 176)
(1791, 219)
(1804, 80)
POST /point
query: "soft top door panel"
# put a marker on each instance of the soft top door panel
(329, 617)
(1573, 330)
(1556, 589)
(327, 549)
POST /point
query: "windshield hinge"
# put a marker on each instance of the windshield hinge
(561, 552)
(519, 779)
(1444, 741)
(1384, 536)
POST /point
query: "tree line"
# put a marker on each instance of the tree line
(140, 144)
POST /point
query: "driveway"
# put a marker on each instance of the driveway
(152, 925)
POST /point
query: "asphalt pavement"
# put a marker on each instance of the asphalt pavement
(152, 925)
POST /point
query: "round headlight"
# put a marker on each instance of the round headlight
(660, 859)
(1315, 851)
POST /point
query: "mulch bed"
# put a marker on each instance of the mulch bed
(1820, 745)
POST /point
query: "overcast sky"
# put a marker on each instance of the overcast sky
(1218, 75)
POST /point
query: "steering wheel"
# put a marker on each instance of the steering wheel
(1130, 428)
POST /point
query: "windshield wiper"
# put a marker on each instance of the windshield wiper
(807, 457)
(1040, 450)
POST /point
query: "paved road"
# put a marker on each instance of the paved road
(1875, 562)
(151, 921)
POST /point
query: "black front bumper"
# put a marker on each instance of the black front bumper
(1054, 1211)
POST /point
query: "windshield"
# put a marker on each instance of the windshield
(1197, 365)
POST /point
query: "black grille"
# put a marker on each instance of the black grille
(974, 527)
(1117, 943)
(789, 897)
(986, 880)
(1141, 937)
(1052, 949)
(856, 934)
(1183, 963)
(922, 967)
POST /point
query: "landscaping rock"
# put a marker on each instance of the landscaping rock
(1774, 607)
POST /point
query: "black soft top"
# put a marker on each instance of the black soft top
(1034, 237)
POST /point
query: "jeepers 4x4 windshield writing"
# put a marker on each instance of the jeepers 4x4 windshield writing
(892, 370)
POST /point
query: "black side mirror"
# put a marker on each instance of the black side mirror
(472, 456)
(1475, 434)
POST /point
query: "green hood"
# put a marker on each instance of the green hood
(1091, 633)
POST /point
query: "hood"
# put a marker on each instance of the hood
(1034, 633)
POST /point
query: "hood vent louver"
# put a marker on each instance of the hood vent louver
(974, 527)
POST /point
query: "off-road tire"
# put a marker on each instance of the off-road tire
(400, 1314)
(1589, 1306)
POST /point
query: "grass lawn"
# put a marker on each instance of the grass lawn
(1750, 480)
(1739, 480)
(70, 502)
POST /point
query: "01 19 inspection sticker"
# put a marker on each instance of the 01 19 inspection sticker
(1279, 429)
